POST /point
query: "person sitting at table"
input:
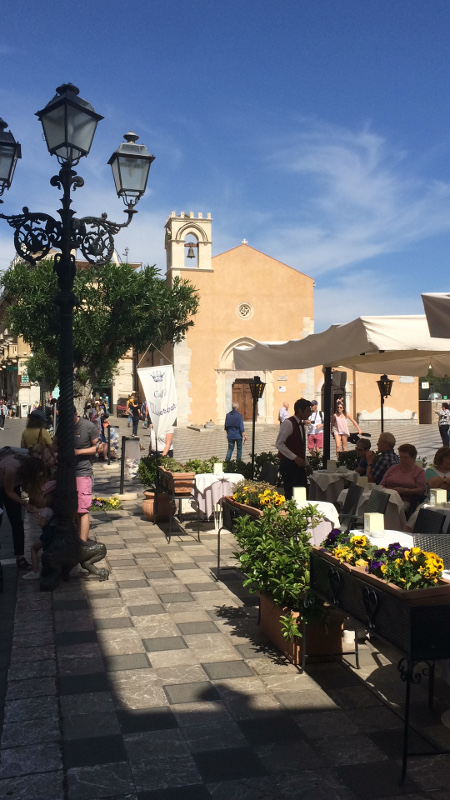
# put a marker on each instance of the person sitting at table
(361, 448)
(376, 467)
(407, 478)
(438, 475)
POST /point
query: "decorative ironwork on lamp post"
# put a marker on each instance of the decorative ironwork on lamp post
(385, 386)
(257, 390)
(69, 125)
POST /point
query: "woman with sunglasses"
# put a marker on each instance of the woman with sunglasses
(339, 427)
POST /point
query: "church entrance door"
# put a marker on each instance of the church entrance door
(241, 394)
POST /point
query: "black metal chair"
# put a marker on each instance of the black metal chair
(349, 508)
(269, 473)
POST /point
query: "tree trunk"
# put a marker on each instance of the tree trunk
(81, 395)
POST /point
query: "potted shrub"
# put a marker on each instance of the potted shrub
(148, 474)
(274, 555)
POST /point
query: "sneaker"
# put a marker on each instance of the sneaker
(31, 576)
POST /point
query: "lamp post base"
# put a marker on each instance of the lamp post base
(65, 552)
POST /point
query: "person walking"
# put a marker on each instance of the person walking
(339, 426)
(315, 430)
(234, 426)
(13, 503)
(291, 446)
(135, 415)
(283, 412)
(3, 414)
(444, 423)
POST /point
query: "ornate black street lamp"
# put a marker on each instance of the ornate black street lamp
(257, 390)
(69, 125)
(385, 387)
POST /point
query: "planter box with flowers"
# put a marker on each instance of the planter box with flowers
(397, 592)
(274, 555)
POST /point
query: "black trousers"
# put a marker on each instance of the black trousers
(2, 421)
(292, 475)
(14, 511)
(443, 430)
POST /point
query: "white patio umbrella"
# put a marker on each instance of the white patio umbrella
(394, 344)
(437, 311)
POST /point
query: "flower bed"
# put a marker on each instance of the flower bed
(105, 503)
(416, 621)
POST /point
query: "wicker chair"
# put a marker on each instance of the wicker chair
(429, 522)
(269, 473)
(377, 502)
(349, 508)
(428, 534)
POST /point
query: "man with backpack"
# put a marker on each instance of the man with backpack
(315, 430)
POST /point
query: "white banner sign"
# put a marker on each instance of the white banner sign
(158, 384)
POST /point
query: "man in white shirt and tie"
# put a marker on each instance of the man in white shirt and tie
(291, 446)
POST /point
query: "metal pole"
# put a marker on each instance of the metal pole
(327, 415)
(109, 445)
(66, 502)
(253, 437)
(122, 464)
(382, 413)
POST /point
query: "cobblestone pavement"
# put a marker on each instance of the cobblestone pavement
(159, 685)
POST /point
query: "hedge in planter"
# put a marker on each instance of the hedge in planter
(274, 555)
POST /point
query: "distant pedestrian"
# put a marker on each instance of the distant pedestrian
(283, 413)
(315, 430)
(3, 414)
(444, 423)
(234, 426)
(135, 416)
(339, 426)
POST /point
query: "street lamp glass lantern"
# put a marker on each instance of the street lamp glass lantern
(130, 165)
(69, 124)
(257, 388)
(385, 386)
(10, 151)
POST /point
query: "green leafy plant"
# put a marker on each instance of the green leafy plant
(147, 470)
(201, 466)
(316, 462)
(348, 459)
(274, 553)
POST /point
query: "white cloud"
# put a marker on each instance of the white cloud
(360, 200)
(361, 295)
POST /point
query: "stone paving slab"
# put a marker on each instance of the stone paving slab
(159, 684)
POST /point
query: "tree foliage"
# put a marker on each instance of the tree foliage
(118, 308)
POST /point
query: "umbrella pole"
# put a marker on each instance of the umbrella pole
(327, 415)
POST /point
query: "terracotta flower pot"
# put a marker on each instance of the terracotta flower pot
(148, 506)
(320, 641)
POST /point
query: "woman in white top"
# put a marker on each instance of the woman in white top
(163, 444)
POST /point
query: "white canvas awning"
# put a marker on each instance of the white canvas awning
(437, 312)
(398, 345)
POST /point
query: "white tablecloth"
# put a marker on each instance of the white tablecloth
(394, 516)
(327, 486)
(321, 531)
(210, 489)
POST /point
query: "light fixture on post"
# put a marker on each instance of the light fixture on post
(10, 151)
(257, 390)
(69, 125)
(385, 388)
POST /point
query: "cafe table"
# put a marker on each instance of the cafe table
(331, 520)
(327, 486)
(209, 489)
(394, 516)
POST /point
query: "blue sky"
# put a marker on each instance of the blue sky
(318, 130)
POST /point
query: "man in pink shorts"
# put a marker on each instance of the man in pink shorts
(315, 430)
(86, 441)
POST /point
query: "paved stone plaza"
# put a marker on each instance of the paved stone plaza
(158, 683)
